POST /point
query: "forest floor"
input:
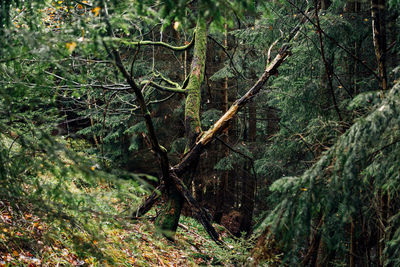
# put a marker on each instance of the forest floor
(98, 231)
(27, 240)
(133, 246)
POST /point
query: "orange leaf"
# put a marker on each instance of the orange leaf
(96, 11)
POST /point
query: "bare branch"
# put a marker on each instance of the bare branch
(162, 44)
(164, 88)
(334, 41)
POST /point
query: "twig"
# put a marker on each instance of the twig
(184, 227)
(326, 64)
(231, 63)
(334, 41)
(158, 258)
(240, 153)
(270, 49)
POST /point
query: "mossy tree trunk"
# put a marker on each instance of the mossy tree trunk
(193, 89)
(168, 220)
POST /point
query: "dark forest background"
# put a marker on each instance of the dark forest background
(112, 99)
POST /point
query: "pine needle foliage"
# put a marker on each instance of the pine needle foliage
(345, 187)
(43, 172)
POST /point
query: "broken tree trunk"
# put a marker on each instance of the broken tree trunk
(168, 220)
(271, 69)
(224, 120)
(191, 158)
(193, 155)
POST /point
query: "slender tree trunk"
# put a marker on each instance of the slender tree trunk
(224, 178)
(322, 254)
(352, 244)
(168, 220)
(328, 65)
(379, 38)
(190, 159)
(354, 7)
(392, 32)
(249, 183)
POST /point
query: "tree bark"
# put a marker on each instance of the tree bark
(168, 220)
(190, 159)
(328, 65)
(193, 89)
(224, 177)
(379, 38)
(354, 7)
(248, 180)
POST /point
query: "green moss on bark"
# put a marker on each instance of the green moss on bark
(168, 220)
(193, 99)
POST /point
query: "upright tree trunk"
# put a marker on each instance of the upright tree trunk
(168, 220)
(354, 7)
(222, 191)
(249, 183)
(392, 35)
(328, 64)
(379, 38)
(192, 104)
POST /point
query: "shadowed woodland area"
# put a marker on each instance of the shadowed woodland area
(185, 133)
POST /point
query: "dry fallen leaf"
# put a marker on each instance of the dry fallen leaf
(70, 46)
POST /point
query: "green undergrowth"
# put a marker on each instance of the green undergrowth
(72, 213)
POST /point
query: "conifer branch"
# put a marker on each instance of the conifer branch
(231, 63)
(223, 122)
(328, 67)
(335, 42)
